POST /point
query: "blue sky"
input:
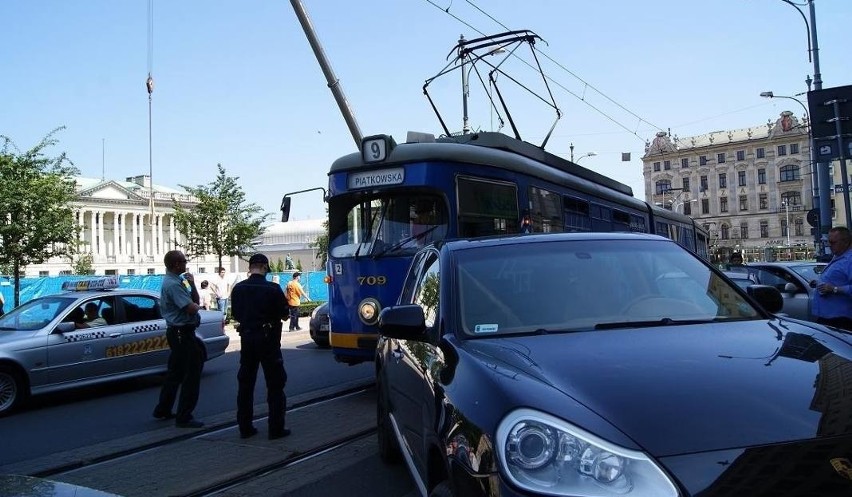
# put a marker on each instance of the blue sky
(237, 83)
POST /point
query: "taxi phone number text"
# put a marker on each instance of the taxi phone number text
(139, 347)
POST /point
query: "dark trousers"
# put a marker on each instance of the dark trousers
(843, 323)
(294, 317)
(261, 348)
(185, 365)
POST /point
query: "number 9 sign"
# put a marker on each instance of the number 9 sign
(375, 148)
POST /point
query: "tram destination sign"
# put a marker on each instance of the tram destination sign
(828, 107)
(380, 177)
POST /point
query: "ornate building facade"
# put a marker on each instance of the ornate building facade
(123, 233)
(750, 188)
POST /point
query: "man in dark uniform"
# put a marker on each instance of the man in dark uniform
(259, 306)
(179, 306)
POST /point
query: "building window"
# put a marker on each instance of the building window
(743, 202)
(763, 201)
(782, 150)
(760, 153)
(723, 180)
(799, 227)
(723, 204)
(789, 173)
(740, 154)
(43, 274)
(744, 231)
(686, 184)
(791, 198)
(684, 163)
(783, 227)
(663, 186)
(761, 176)
(151, 270)
(720, 158)
(705, 206)
(794, 148)
(110, 272)
(726, 232)
(656, 167)
(687, 208)
(667, 165)
(741, 178)
(764, 229)
(702, 160)
(202, 270)
(65, 272)
(704, 183)
(131, 272)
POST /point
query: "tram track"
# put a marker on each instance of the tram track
(92, 462)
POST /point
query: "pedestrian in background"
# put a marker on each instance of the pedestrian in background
(221, 290)
(206, 296)
(259, 307)
(832, 302)
(294, 293)
(179, 304)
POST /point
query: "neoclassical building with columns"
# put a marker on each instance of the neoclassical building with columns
(122, 232)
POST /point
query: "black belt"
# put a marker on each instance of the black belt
(182, 327)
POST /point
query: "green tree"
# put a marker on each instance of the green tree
(321, 243)
(277, 266)
(36, 218)
(222, 223)
(84, 264)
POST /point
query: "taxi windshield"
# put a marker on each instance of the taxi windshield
(386, 225)
(36, 313)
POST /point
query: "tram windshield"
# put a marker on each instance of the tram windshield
(386, 225)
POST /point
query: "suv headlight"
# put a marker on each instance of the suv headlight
(542, 453)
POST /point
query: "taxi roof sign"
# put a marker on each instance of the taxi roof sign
(104, 283)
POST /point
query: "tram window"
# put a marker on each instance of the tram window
(620, 221)
(546, 210)
(395, 224)
(577, 216)
(487, 208)
(637, 223)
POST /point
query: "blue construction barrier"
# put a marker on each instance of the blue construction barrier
(312, 281)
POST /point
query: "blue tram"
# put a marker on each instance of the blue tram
(388, 200)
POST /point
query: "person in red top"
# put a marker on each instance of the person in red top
(294, 294)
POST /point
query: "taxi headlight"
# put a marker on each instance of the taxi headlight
(542, 453)
(368, 311)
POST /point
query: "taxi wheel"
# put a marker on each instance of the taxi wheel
(11, 390)
(388, 446)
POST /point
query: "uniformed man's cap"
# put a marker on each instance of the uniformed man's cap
(259, 259)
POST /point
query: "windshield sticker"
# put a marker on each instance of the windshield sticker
(486, 328)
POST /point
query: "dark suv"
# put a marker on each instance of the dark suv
(600, 364)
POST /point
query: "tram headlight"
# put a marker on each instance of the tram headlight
(368, 311)
(544, 454)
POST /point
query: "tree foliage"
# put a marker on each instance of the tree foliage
(222, 223)
(84, 264)
(36, 217)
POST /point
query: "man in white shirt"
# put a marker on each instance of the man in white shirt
(221, 290)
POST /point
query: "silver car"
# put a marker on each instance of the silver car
(792, 279)
(50, 343)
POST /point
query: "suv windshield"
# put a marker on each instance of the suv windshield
(590, 284)
(387, 225)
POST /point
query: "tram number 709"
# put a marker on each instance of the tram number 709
(372, 280)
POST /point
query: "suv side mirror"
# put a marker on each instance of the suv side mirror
(406, 322)
(767, 296)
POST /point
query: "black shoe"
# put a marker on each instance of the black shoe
(298, 328)
(163, 415)
(275, 435)
(192, 423)
(248, 433)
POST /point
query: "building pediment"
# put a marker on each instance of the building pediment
(109, 190)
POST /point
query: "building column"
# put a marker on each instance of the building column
(142, 250)
(101, 244)
(81, 220)
(116, 248)
(172, 234)
(160, 244)
(136, 246)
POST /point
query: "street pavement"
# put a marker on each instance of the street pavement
(185, 466)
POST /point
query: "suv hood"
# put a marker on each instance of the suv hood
(693, 388)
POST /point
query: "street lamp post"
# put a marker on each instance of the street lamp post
(815, 185)
(787, 212)
(590, 154)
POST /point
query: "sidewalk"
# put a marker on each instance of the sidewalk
(234, 344)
